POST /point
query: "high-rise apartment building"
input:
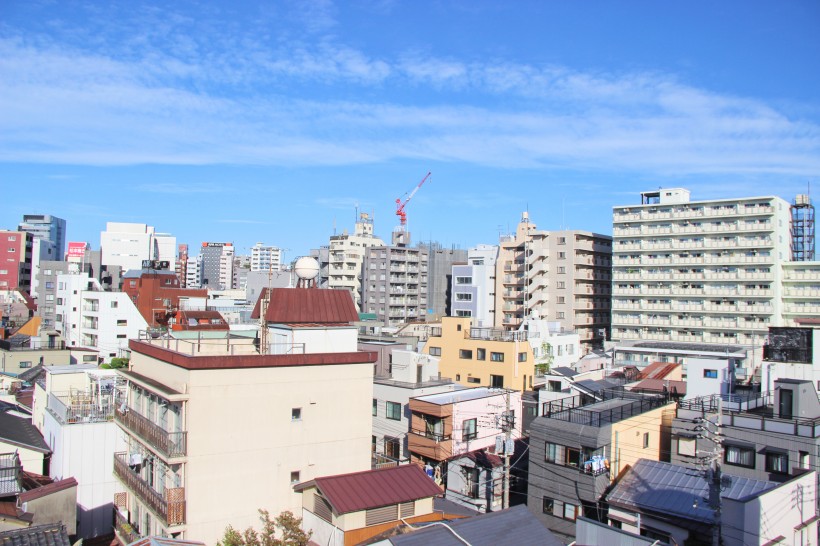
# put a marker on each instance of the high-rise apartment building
(699, 271)
(217, 266)
(48, 228)
(265, 258)
(127, 245)
(473, 290)
(395, 283)
(181, 267)
(562, 276)
(15, 260)
(346, 254)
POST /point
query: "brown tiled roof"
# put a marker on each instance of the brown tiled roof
(315, 305)
(657, 370)
(374, 488)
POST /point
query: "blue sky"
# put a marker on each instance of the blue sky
(272, 121)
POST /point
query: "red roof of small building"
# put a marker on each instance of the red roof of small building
(374, 488)
(200, 320)
(315, 305)
(658, 385)
(657, 370)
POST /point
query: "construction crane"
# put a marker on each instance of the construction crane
(401, 204)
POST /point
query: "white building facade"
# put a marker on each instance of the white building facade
(473, 288)
(346, 255)
(698, 271)
(127, 245)
(265, 258)
(88, 317)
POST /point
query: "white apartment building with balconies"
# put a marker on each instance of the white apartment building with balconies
(699, 271)
(266, 258)
(89, 317)
(346, 255)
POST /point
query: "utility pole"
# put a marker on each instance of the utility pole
(713, 474)
(507, 424)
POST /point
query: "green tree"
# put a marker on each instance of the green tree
(287, 525)
(116, 363)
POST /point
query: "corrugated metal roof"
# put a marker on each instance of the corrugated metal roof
(657, 370)
(297, 305)
(516, 525)
(374, 488)
(672, 489)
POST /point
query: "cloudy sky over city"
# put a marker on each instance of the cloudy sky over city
(276, 121)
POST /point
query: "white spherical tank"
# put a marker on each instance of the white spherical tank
(306, 268)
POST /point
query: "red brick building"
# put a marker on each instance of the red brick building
(156, 294)
(15, 260)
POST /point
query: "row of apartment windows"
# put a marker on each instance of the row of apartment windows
(776, 462)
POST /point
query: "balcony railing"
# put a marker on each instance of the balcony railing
(125, 529)
(169, 507)
(33, 345)
(432, 435)
(169, 444)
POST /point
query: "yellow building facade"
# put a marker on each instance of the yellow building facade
(476, 357)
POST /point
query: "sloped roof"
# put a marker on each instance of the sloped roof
(31, 327)
(20, 432)
(658, 385)
(314, 305)
(52, 534)
(565, 371)
(374, 488)
(671, 489)
(516, 525)
(42, 491)
(657, 370)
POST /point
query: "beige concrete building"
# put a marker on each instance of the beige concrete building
(346, 256)
(208, 420)
(564, 276)
(699, 271)
(801, 292)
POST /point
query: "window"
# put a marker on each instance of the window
(804, 459)
(560, 314)
(562, 240)
(392, 447)
(522, 357)
(468, 428)
(133, 284)
(121, 336)
(481, 354)
(496, 357)
(687, 446)
(296, 414)
(114, 304)
(645, 440)
(560, 284)
(294, 477)
(497, 381)
(25, 364)
(711, 374)
(464, 296)
(777, 462)
(562, 269)
(553, 386)
(394, 411)
(570, 511)
(473, 380)
(49, 297)
(375, 407)
(551, 453)
(464, 313)
(739, 456)
(49, 285)
(465, 353)
(435, 351)
(464, 280)
(547, 505)
(573, 457)
(122, 322)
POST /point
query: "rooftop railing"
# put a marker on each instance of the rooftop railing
(579, 408)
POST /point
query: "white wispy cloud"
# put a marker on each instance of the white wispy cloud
(169, 95)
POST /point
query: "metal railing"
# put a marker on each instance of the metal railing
(80, 407)
(125, 529)
(573, 410)
(172, 512)
(431, 435)
(169, 444)
(33, 345)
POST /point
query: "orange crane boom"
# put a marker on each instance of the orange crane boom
(401, 204)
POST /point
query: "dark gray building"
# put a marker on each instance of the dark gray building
(769, 436)
(440, 278)
(394, 283)
(579, 446)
